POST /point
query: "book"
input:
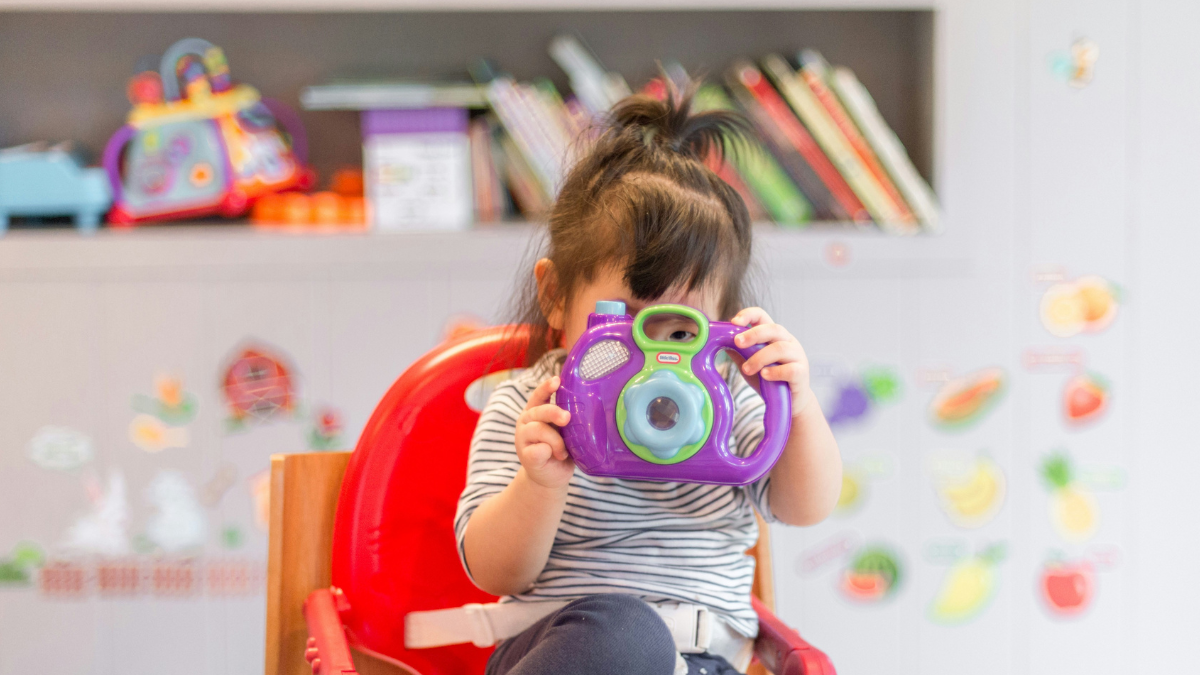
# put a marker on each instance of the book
(392, 95)
(485, 177)
(597, 89)
(833, 142)
(528, 194)
(717, 163)
(795, 148)
(858, 102)
(815, 72)
(780, 197)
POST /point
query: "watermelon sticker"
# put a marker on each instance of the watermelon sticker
(964, 401)
(873, 574)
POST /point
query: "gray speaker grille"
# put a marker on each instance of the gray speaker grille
(602, 359)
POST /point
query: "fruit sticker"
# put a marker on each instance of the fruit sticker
(968, 587)
(970, 493)
(1086, 305)
(1066, 587)
(856, 478)
(18, 568)
(848, 398)
(1085, 399)
(963, 401)
(170, 403)
(1072, 508)
(874, 574)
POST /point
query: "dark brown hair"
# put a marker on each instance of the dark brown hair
(642, 197)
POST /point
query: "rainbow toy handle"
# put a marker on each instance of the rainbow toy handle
(651, 410)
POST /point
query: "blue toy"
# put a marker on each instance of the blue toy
(50, 180)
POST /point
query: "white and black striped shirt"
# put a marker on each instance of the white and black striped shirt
(663, 542)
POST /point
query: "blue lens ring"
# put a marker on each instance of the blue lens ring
(664, 443)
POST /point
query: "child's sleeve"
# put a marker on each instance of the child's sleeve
(492, 463)
(748, 412)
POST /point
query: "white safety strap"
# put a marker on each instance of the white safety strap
(484, 625)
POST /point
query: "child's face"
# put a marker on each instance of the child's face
(610, 285)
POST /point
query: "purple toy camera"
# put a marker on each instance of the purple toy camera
(658, 410)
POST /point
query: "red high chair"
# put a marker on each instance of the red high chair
(359, 540)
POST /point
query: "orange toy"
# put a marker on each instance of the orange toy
(341, 208)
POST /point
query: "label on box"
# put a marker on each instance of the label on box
(418, 180)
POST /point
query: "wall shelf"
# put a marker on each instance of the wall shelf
(225, 252)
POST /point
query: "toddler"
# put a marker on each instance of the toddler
(642, 220)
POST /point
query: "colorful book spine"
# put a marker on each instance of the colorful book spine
(891, 152)
(824, 208)
(527, 192)
(513, 108)
(805, 105)
(489, 191)
(844, 204)
(780, 197)
(815, 73)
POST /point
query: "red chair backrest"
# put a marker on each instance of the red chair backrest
(394, 550)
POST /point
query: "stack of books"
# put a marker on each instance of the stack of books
(822, 151)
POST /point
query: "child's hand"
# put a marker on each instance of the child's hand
(539, 445)
(781, 349)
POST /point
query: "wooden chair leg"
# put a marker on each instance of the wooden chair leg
(304, 494)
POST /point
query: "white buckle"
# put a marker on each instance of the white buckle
(690, 626)
(481, 625)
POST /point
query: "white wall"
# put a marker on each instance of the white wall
(1035, 176)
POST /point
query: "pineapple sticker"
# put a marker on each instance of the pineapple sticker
(1072, 508)
(968, 587)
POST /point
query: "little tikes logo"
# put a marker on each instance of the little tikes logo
(668, 357)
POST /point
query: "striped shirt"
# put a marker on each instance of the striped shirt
(663, 542)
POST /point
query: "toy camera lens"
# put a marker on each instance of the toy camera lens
(662, 413)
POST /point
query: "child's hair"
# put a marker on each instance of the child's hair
(642, 197)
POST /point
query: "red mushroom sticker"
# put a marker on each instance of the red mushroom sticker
(258, 386)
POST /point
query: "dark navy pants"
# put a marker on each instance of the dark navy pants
(608, 634)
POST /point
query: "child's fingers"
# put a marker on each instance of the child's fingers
(751, 316)
(776, 352)
(541, 395)
(547, 414)
(787, 372)
(536, 455)
(762, 333)
(539, 433)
